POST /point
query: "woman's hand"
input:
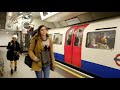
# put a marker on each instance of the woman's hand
(36, 59)
(11, 44)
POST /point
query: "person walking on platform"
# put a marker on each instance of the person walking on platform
(13, 53)
(41, 52)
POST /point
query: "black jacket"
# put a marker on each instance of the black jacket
(11, 48)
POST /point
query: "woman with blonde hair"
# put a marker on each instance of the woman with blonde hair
(13, 53)
(103, 44)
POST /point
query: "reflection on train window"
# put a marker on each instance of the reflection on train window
(57, 39)
(78, 37)
(50, 36)
(101, 40)
(69, 35)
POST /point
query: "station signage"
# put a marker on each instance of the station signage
(117, 60)
(73, 21)
(45, 15)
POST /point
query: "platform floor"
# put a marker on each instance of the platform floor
(23, 71)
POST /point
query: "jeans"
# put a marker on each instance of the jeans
(46, 71)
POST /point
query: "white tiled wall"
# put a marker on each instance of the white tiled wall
(5, 38)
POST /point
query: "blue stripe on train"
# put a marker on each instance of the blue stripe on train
(97, 69)
(59, 57)
(100, 70)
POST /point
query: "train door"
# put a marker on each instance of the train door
(73, 49)
(77, 45)
(69, 45)
(77, 40)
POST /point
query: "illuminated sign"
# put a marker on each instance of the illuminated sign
(72, 21)
(45, 15)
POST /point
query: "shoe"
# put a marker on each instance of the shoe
(11, 71)
(15, 68)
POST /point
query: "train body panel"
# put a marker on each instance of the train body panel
(100, 48)
(99, 60)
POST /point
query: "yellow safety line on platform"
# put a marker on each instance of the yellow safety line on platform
(69, 71)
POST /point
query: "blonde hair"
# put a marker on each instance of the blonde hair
(103, 40)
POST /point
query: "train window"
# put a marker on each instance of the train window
(69, 35)
(78, 37)
(57, 39)
(101, 39)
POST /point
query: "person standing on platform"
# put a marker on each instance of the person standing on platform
(13, 53)
(41, 47)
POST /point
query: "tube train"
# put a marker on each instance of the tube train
(92, 47)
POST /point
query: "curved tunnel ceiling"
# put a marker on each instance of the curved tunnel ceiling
(63, 16)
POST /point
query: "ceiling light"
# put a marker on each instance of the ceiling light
(10, 14)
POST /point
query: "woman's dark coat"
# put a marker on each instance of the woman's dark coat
(11, 49)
